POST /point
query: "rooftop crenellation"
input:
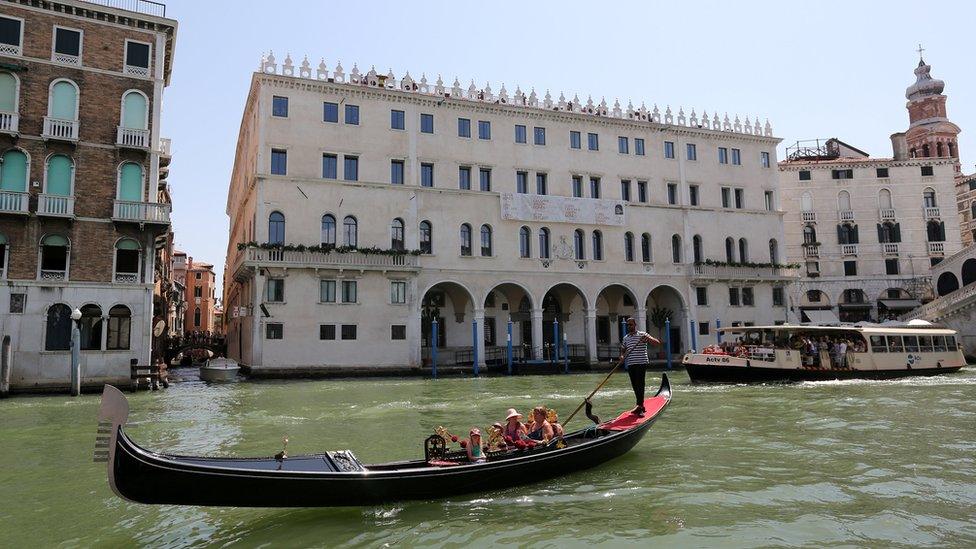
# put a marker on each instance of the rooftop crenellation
(519, 98)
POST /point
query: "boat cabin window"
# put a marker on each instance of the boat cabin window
(878, 344)
(951, 342)
(911, 344)
(925, 344)
(939, 344)
(895, 345)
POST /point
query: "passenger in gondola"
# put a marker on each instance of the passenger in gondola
(540, 429)
(557, 429)
(476, 453)
(514, 428)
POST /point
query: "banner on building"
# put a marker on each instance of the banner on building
(562, 209)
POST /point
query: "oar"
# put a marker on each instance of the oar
(602, 383)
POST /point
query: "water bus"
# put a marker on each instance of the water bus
(827, 352)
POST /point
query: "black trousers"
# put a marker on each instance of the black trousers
(637, 374)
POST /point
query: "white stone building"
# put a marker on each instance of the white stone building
(558, 215)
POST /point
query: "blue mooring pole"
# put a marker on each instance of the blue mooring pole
(433, 348)
(509, 351)
(623, 327)
(555, 341)
(694, 335)
(474, 343)
(565, 352)
(667, 341)
(718, 333)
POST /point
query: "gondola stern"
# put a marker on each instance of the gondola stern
(112, 416)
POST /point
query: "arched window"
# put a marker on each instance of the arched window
(888, 232)
(544, 243)
(844, 201)
(806, 202)
(90, 327)
(597, 245)
(928, 198)
(951, 149)
(9, 95)
(935, 230)
(579, 244)
(135, 111)
(59, 175)
(130, 182)
(853, 296)
(847, 233)
(485, 241)
(646, 248)
(809, 235)
(350, 231)
(629, 246)
(729, 250)
(773, 251)
(328, 230)
(696, 248)
(426, 237)
(63, 101)
(54, 254)
(946, 284)
(57, 330)
(119, 324)
(127, 261)
(13, 171)
(3, 255)
(884, 199)
(196, 317)
(675, 248)
(276, 228)
(925, 150)
(396, 234)
(465, 239)
(938, 149)
(525, 242)
(743, 251)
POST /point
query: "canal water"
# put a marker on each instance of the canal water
(818, 464)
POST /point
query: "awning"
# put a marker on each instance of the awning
(821, 317)
(854, 306)
(821, 307)
(900, 303)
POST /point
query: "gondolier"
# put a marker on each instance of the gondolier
(633, 353)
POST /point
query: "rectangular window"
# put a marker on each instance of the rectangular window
(330, 166)
(593, 141)
(327, 332)
(464, 178)
(274, 330)
(396, 172)
(639, 146)
(352, 115)
(842, 174)
(350, 168)
(426, 174)
(692, 151)
(726, 197)
(577, 186)
(878, 344)
(882, 172)
(779, 297)
(397, 121)
(348, 331)
(623, 145)
(693, 195)
(398, 292)
(67, 45)
(891, 266)
(464, 127)
(520, 133)
(764, 159)
(349, 291)
(327, 291)
(484, 129)
(540, 136)
(575, 142)
(703, 328)
(927, 170)
(522, 182)
(198, 291)
(541, 184)
(275, 290)
(739, 201)
(484, 179)
(398, 332)
(625, 189)
(736, 157)
(137, 57)
(701, 295)
(734, 296)
(850, 268)
(594, 187)
(723, 155)
(747, 297)
(642, 192)
(668, 149)
(672, 193)
(279, 106)
(804, 175)
(330, 112)
(279, 162)
(10, 36)
(426, 123)
(768, 200)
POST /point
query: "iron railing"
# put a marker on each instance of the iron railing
(147, 7)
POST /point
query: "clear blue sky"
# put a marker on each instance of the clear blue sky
(815, 69)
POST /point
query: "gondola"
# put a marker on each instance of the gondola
(333, 479)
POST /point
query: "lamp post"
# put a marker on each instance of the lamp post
(75, 353)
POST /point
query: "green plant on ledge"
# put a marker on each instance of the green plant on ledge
(325, 249)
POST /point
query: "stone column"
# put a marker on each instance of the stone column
(479, 318)
(590, 330)
(640, 315)
(537, 334)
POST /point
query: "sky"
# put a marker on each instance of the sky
(814, 69)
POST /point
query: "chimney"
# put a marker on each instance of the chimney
(899, 146)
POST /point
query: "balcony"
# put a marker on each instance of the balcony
(846, 215)
(936, 248)
(889, 248)
(810, 217)
(11, 49)
(126, 278)
(811, 250)
(9, 122)
(65, 59)
(257, 257)
(931, 212)
(741, 272)
(53, 205)
(47, 274)
(886, 214)
(14, 202)
(132, 70)
(59, 129)
(132, 138)
(848, 249)
(141, 212)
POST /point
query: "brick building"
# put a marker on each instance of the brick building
(200, 297)
(83, 197)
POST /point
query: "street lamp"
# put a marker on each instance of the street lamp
(75, 353)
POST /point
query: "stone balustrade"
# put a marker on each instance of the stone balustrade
(742, 272)
(297, 259)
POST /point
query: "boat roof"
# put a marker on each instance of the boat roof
(911, 327)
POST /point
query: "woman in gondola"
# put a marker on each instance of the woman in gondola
(540, 429)
(514, 428)
(476, 453)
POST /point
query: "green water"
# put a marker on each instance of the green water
(814, 464)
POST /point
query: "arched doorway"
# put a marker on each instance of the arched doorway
(563, 323)
(666, 303)
(614, 304)
(451, 305)
(969, 270)
(506, 302)
(816, 308)
(894, 302)
(947, 284)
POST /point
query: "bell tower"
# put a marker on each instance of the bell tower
(930, 133)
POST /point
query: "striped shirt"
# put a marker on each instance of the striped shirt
(639, 354)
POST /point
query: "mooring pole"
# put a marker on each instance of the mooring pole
(433, 348)
(694, 335)
(474, 344)
(509, 350)
(667, 342)
(718, 333)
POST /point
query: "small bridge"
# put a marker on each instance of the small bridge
(215, 343)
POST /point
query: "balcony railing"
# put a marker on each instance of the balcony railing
(846, 215)
(9, 122)
(936, 248)
(57, 128)
(11, 49)
(132, 138)
(741, 272)
(936, 308)
(55, 205)
(809, 216)
(147, 7)
(47, 274)
(848, 249)
(136, 71)
(931, 212)
(66, 59)
(886, 214)
(141, 212)
(13, 202)
(352, 260)
(889, 248)
(126, 278)
(811, 251)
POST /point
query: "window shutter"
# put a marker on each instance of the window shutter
(854, 237)
(896, 233)
(880, 233)
(942, 231)
(841, 235)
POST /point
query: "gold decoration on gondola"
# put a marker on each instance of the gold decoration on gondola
(495, 436)
(551, 415)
